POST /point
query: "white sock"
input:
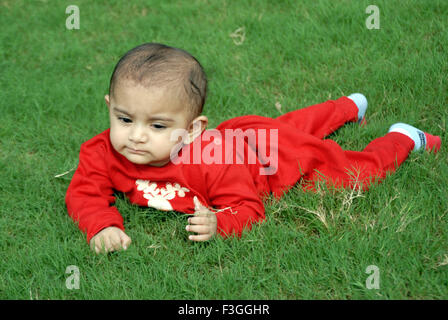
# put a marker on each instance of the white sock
(417, 135)
(361, 102)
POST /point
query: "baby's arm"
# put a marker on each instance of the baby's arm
(90, 197)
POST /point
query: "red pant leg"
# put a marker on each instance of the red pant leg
(322, 119)
(355, 168)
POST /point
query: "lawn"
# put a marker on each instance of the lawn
(257, 55)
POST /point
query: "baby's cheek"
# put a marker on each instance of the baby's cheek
(168, 145)
(116, 138)
(168, 139)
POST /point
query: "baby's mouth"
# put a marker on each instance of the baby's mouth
(135, 151)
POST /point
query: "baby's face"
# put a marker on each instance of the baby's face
(142, 120)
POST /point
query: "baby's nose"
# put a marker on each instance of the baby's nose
(138, 135)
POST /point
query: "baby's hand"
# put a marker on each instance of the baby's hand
(110, 239)
(203, 222)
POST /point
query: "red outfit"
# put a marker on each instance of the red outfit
(235, 190)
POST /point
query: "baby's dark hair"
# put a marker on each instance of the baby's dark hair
(155, 64)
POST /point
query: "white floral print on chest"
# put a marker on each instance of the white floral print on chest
(158, 198)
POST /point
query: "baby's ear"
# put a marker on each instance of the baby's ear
(196, 127)
(106, 97)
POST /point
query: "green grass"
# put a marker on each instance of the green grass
(297, 53)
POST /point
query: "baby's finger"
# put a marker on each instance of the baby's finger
(107, 245)
(115, 242)
(200, 237)
(125, 240)
(99, 246)
(198, 220)
(203, 213)
(198, 206)
(201, 229)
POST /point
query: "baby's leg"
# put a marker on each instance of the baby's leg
(322, 119)
(355, 168)
(381, 156)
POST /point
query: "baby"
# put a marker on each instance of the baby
(159, 153)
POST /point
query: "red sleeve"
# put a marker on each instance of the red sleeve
(90, 195)
(234, 194)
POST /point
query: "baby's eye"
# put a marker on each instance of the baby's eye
(124, 119)
(158, 126)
